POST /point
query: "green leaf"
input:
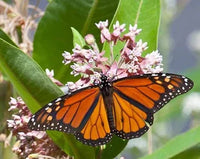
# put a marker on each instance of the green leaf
(77, 38)
(144, 13)
(5, 37)
(36, 89)
(26, 76)
(192, 153)
(114, 147)
(54, 35)
(177, 145)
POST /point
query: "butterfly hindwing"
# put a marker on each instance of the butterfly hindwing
(129, 119)
(97, 130)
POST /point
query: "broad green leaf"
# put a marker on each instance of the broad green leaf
(144, 13)
(192, 153)
(5, 37)
(114, 147)
(26, 76)
(54, 35)
(37, 89)
(177, 145)
(77, 38)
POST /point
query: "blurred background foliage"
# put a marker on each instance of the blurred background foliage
(179, 40)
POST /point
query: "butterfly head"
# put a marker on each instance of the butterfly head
(104, 82)
(104, 77)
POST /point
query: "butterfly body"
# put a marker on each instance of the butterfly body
(106, 89)
(121, 107)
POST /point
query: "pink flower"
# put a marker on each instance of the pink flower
(118, 29)
(153, 58)
(105, 33)
(50, 74)
(133, 32)
(37, 134)
(67, 57)
(89, 39)
(114, 72)
(152, 63)
(77, 69)
(15, 103)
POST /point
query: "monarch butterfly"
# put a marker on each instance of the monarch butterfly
(121, 107)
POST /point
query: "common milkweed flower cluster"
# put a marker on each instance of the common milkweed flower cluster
(91, 63)
(15, 18)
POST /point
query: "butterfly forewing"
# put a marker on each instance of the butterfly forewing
(151, 91)
(68, 113)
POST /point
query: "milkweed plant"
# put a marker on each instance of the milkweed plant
(87, 62)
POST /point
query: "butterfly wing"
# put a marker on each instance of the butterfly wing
(136, 98)
(96, 131)
(81, 113)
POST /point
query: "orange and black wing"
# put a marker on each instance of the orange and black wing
(136, 98)
(97, 130)
(81, 113)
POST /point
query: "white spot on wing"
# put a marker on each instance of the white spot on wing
(154, 74)
(58, 99)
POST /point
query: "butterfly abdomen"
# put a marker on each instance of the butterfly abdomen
(108, 101)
